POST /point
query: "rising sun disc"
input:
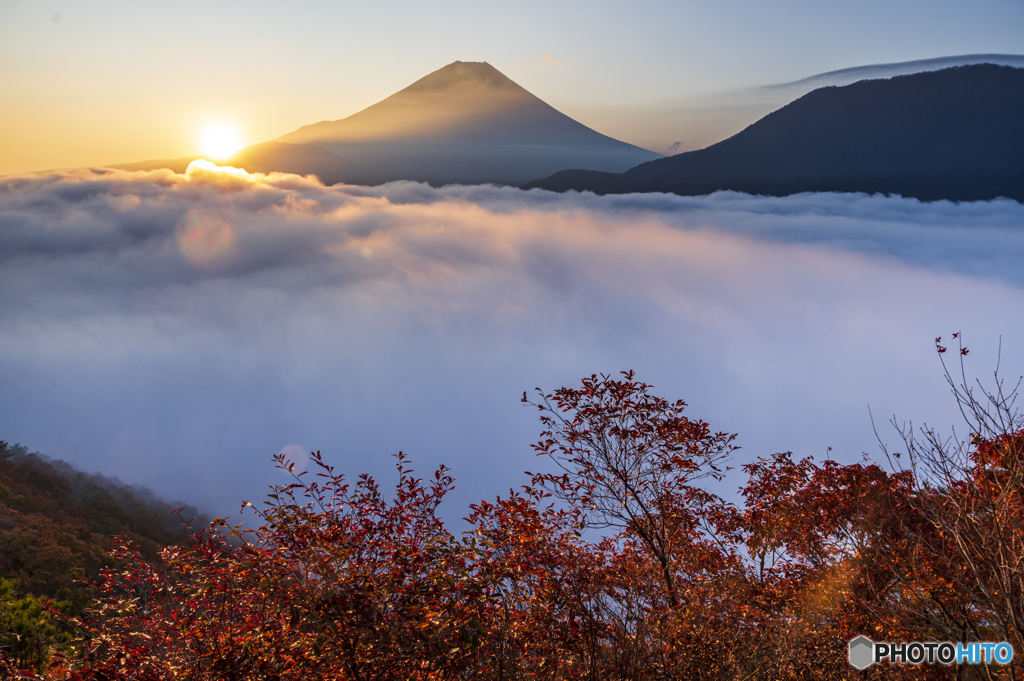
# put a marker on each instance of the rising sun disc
(219, 140)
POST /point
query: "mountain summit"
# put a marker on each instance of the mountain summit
(465, 123)
(463, 99)
(473, 94)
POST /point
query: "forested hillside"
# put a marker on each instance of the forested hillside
(56, 529)
(56, 523)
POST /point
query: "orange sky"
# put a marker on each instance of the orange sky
(111, 81)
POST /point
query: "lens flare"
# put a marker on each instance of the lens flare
(219, 140)
(204, 239)
(295, 455)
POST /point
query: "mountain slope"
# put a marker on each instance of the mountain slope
(56, 523)
(950, 134)
(854, 74)
(465, 123)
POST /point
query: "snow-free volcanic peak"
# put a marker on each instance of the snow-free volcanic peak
(443, 102)
(465, 123)
(464, 74)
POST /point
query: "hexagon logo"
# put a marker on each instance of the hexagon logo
(862, 652)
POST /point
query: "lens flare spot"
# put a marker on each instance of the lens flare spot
(295, 455)
(204, 239)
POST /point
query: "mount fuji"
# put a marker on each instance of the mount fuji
(466, 123)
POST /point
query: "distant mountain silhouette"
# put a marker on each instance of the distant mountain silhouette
(466, 123)
(950, 134)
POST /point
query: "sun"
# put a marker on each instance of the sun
(219, 140)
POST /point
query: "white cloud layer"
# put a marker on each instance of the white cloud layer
(178, 331)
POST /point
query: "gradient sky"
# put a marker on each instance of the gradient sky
(90, 82)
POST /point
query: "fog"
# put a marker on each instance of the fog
(178, 330)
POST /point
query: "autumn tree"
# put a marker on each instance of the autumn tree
(633, 463)
(970, 495)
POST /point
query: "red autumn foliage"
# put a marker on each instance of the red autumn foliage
(621, 566)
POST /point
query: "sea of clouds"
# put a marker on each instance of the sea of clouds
(178, 330)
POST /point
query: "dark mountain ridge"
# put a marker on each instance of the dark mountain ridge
(876, 71)
(951, 134)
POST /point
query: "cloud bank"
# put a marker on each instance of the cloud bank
(178, 330)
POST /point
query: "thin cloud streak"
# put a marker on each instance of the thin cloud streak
(363, 320)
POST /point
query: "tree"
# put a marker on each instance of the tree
(632, 461)
(29, 634)
(970, 495)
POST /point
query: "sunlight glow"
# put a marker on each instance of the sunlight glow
(219, 140)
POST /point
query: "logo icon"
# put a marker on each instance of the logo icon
(862, 652)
